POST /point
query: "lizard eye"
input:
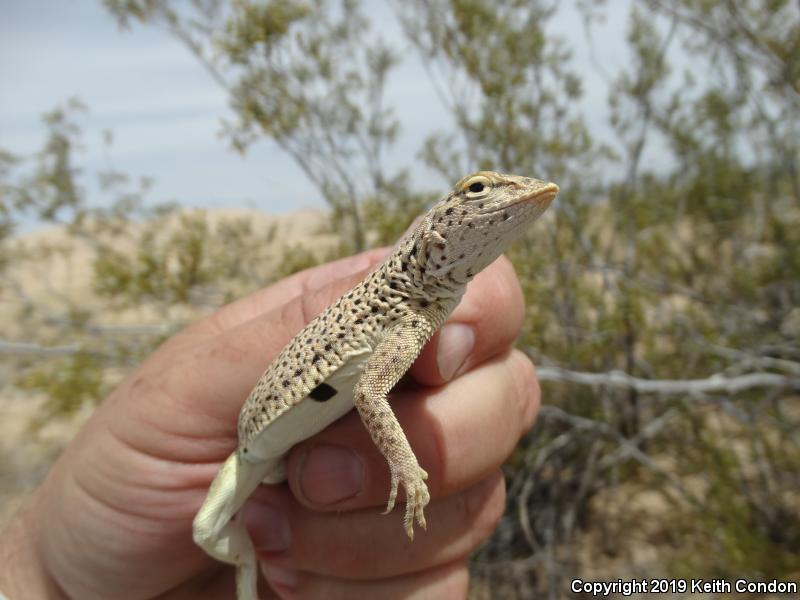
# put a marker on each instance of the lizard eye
(477, 187)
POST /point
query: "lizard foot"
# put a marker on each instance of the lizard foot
(417, 496)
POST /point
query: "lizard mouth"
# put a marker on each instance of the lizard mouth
(543, 196)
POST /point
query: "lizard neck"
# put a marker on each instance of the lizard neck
(403, 272)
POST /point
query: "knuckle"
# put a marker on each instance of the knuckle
(510, 289)
(483, 506)
(455, 583)
(527, 393)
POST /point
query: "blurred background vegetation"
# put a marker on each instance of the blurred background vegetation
(663, 295)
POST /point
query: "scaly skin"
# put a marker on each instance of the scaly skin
(355, 351)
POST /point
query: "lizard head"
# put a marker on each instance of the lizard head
(482, 215)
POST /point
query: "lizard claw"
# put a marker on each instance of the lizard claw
(392, 494)
(417, 497)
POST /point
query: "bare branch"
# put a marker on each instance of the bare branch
(714, 383)
(746, 359)
(627, 447)
(7, 347)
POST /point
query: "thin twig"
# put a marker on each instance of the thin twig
(714, 383)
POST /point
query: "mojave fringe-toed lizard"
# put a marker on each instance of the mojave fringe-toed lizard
(356, 350)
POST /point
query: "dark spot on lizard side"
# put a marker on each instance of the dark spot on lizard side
(322, 393)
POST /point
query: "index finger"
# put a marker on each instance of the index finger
(302, 282)
(283, 291)
(229, 363)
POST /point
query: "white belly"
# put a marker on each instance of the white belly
(306, 418)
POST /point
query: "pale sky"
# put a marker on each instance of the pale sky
(165, 110)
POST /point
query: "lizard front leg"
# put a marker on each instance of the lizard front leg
(390, 360)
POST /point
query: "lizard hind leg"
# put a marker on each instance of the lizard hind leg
(220, 536)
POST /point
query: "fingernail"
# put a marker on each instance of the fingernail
(456, 342)
(279, 576)
(330, 474)
(267, 526)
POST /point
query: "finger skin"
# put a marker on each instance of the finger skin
(459, 438)
(295, 286)
(494, 307)
(237, 356)
(500, 403)
(197, 394)
(459, 433)
(449, 581)
(363, 545)
(140, 467)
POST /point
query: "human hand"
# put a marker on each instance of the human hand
(113, 518)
